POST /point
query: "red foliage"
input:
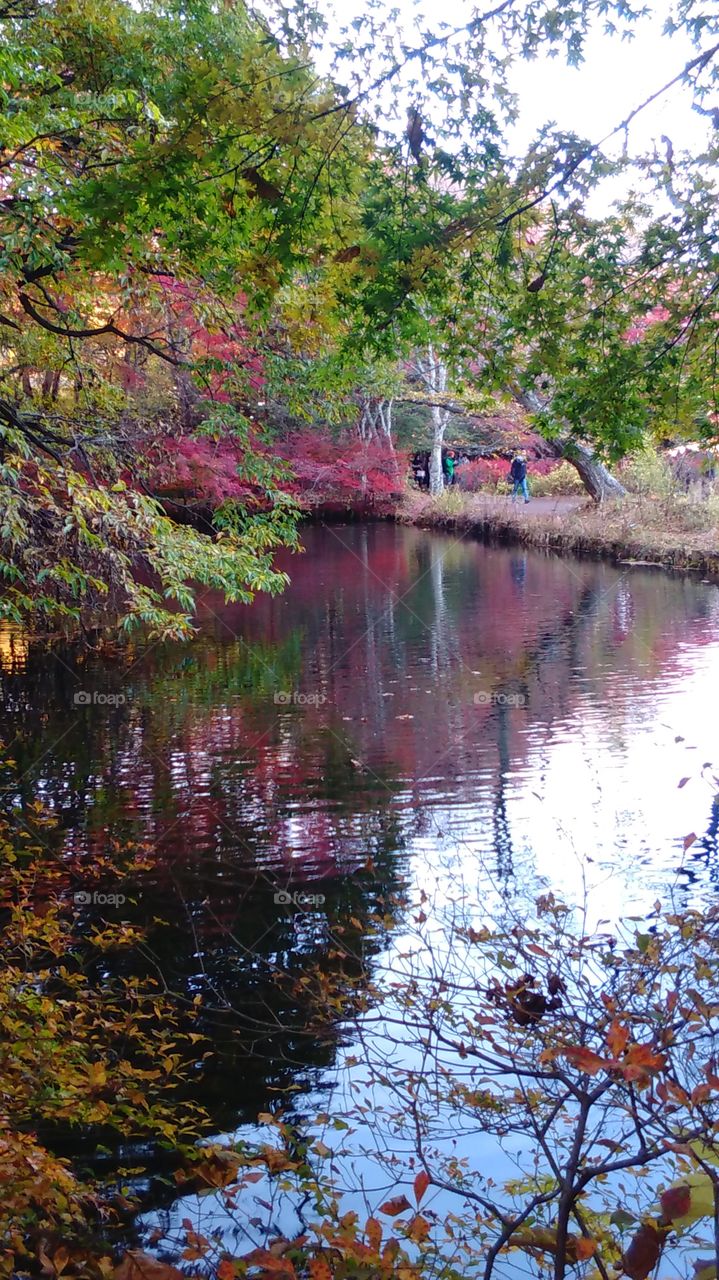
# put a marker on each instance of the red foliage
(229, 343)
(202, 470)
(481, 473)
(484, 473)
(643, 1253)
(346, 471)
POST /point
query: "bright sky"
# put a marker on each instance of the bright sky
(616, 77)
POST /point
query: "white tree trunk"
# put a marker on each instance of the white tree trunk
(433, 374)
(375, 421)
(440, 417)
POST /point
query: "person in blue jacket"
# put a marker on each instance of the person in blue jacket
(518, 477)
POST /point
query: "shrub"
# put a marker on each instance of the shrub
(482, 474)
(648, 472)
(550, 478)
(449, 502)
(547, 476)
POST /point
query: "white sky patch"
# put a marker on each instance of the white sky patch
(591, 100)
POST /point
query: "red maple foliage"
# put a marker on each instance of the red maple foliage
(226, 342)
(202, 470)
(487, 473)
(348, 472)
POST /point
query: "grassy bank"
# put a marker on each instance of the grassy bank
(671, 531)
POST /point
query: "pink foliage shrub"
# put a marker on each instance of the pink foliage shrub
(637, 330)
(487, 473)
(202, 471)
(347, 472)
(228, 344)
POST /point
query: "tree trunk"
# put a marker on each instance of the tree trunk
(596, 478)
(433, 374)
(436, 476)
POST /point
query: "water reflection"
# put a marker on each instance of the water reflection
(415, 707)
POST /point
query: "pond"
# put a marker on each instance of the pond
(416, 712)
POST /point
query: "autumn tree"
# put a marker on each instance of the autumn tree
(144, 151)
(587, 1056)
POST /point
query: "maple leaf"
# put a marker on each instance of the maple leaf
(421, 1183)
(617, 1037)
(396, 1205)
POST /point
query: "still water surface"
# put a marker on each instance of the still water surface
(415, 713)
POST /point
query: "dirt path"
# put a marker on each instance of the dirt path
(637, 531)
(535, 507)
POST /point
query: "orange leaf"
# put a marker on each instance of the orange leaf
(586, 1061)
(418, 1228)
(390, 1251)
(584, 1248)
(320, 1269)
(373, 1232)
(617, 1037)
(137, 1265)
(263, 1258)
(641, 1060)
(421, 1183)
(396, 1205)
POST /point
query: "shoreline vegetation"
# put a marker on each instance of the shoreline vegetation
(671, 533)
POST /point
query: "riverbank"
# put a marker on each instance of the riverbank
(672, 533)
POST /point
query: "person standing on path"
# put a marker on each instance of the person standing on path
(518, 477)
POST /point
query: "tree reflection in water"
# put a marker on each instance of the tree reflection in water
(430, 686)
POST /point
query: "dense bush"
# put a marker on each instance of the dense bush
(482, 473)
(547, 476)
